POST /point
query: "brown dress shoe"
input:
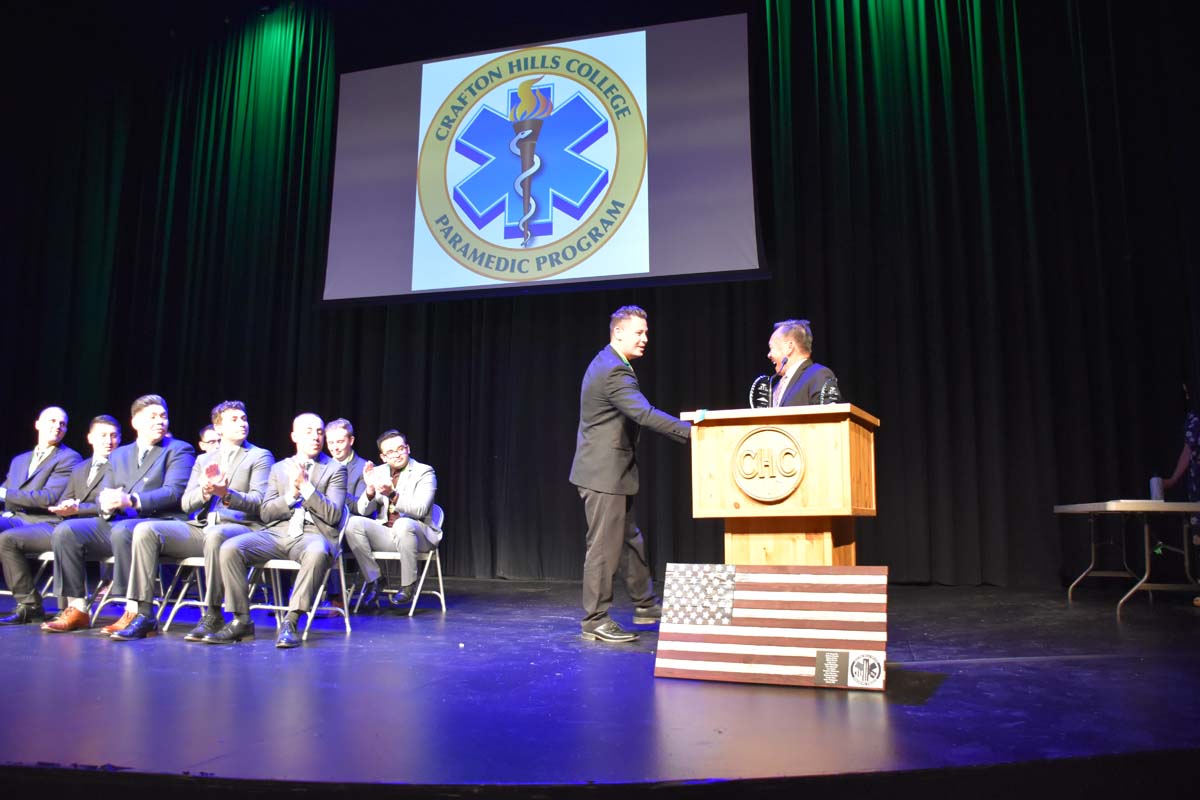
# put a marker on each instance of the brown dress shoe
(120, 624)
(70, 619)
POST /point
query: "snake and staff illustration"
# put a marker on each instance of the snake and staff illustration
(527, 116)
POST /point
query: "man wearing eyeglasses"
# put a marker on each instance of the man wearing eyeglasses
(209, 439)
(396, 511)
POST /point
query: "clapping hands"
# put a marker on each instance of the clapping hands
(379, 479)
(215, 482)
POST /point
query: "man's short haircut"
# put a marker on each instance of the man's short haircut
(56, 408)
(145, 401)
(389, 434)
(799, 331)
(342, 423)
(221, 408)
(623, 313)
(304, 414)
(104, 419)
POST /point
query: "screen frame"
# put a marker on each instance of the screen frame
(760, 177)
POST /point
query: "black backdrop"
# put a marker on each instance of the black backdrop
(985, 208)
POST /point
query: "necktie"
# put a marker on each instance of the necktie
(35, 462)
(142, 456)
(94, 472)
(778, 391)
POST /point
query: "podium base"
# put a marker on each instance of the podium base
(786, 541)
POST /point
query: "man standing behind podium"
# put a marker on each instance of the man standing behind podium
(612, 412)
(802, 381)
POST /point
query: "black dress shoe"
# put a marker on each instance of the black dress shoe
(405, 595)
(233, 632)
(373, 590)
(610, 632)
(141, 627)
(210, 623)
(23, 615)
(288, 636)
(647, 615)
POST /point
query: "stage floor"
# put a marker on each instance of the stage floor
(503, 690)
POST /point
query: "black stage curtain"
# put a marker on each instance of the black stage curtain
(985, 209)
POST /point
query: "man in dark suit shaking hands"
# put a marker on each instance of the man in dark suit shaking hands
(802, 381)
(612, 412)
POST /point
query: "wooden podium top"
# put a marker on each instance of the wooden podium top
(796, 461)
(784, 413)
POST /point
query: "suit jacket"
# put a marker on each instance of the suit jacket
(160, 480)
(87, 492)
(612, 413)
(33, 494)
(248, 474)
(805, 387)
(356, 484)
(326, 504)
(416, 486)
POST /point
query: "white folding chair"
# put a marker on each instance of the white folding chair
(44, 561)
(107, 597)
(279, 605)
(189, 574)
(438, 517)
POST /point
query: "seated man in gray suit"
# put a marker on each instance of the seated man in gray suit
(147, 480)
(302, 511)
(32, 538)
(37, 478)
(396, 511)
(221, 500)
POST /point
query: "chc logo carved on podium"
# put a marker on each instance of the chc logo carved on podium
(768, 464)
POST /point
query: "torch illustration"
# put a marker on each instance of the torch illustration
(526, 118)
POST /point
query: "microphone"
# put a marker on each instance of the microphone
(775, 377)
(762, 389)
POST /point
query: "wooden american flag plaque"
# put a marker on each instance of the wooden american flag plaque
(790, 625)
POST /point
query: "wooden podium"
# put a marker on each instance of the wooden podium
(788, 481)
